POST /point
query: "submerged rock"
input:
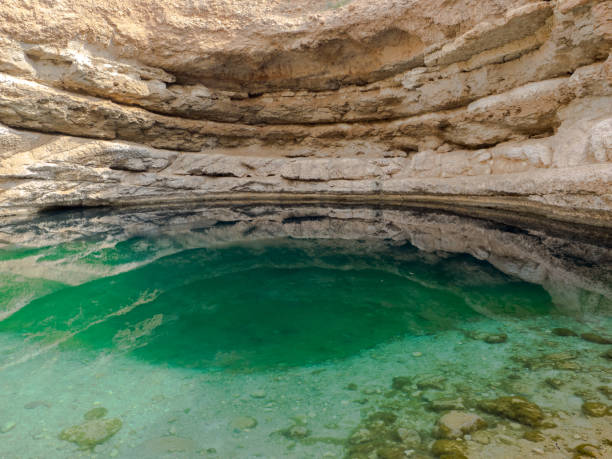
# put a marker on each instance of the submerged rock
(515, 408)
(382, 435)
(399, 382)
(534, 436)
(408, 437)
(446, 404)
(555, 383)
(607, 354)
(587, 450)
(570, 366)
(606, 390)
(482, 436)
(563, 332)
(560, 356)
(391, 452)
(8, 426)
(244, 423)
(557, 360)
(431, 382)
(595, 409)
(490, 338)
(360, 436)
(594, 338)
(295, 432)
(449, 448)
(95, 413)
(91, 433)
(458, 423)
(495, 338)
(36, 404)
(384, 417)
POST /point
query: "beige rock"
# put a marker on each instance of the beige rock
(600, 141)
(458, 423)
(496, 103)
(91, 433)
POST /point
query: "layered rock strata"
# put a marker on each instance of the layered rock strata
(496, 104)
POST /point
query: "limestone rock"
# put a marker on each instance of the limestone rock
(606, 390)
(8, 426)
(400, 382)
(431, 382)
(596, 409)
(296, 432)
(515, 408)
(449, 448)
(533, 436)
(95, 413)
(443, 404)
(595, 338)
(505, 105)
(244, 423)
(91, 433)
(495, 338)
(408, 437)
(563, 332)
(587, 450)
(458, 423)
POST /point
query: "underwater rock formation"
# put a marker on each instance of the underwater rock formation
(91, 432)
(496, 103)
(515, 408)
(456, 424)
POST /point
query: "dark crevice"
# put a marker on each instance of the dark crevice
(311, 218)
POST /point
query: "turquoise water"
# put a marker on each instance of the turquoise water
(276, 333)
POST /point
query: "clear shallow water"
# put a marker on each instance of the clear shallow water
(278, 332)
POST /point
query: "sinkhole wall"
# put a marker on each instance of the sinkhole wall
(503, 104)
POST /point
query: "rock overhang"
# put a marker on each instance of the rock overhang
(507, 101)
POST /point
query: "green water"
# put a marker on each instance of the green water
(205, 341)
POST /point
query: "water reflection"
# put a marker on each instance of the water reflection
(254, 288)
(282, 302)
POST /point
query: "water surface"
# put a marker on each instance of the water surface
(278, 332)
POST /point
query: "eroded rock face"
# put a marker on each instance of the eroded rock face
(499, 103)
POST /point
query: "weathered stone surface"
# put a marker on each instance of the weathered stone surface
(492, 103)
(91, 433)
(514, 408)
(458, 423)
(595, 338)
(564, 332)
(243, 423)
(449, 448)
(596, 409)
(95, 413)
